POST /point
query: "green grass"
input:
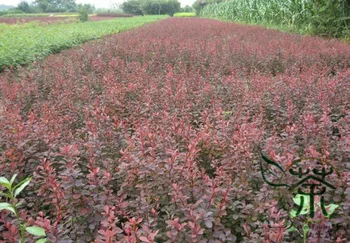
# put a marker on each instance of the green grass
(23, 43)
(182, 14)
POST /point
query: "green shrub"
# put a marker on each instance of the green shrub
(182, 14)
(83, 14)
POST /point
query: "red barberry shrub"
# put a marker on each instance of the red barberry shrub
(155, 134)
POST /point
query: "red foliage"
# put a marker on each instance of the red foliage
(153, 135)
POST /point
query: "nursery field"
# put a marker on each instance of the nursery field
(49, 20)
(157, 134)
(24, 43)
(43, 19)
(36, 15)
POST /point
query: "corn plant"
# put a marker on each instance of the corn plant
(325, 18)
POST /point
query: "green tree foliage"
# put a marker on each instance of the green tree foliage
(56, 5)
(5, 7)
(89, 8)
(159, 7)
(132, 7)
(187, 9)
(198, 5)
(26, 7)
(84, 12)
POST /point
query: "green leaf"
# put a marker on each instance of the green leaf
(35, 230)
(44, 240)
(22, 184)
(3, 194)
(13, 179)
(7, 206)
(291, 229)
(5, 182)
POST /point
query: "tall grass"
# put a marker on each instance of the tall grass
(321, 17)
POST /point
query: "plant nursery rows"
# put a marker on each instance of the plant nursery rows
(162, 134)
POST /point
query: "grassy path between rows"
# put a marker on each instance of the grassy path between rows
(24, 43)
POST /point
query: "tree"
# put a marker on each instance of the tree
(26, 7)
(56, 5)
(5, 7)
(198, 5)
(87, 7)
(160, 7)
(115, 5)
(171, 6)
(84, 12)
(67, 5)
(138, 7)
(132, 7)
(187, 9)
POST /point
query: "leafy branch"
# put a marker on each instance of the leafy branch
(12, 205)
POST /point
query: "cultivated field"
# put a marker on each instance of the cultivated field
(23, 43)
(155, 134)
(50, 20)
(46, 20)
